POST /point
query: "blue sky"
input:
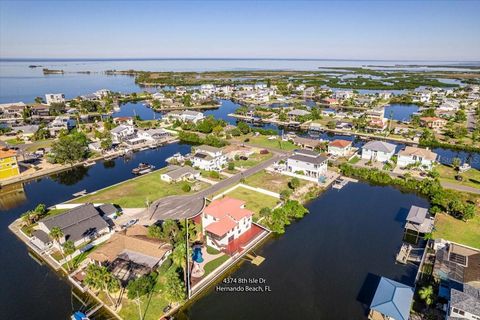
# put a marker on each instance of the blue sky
(396, 30)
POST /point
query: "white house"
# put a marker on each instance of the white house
(102, 93)
(152, 134)
(54, 98)
(207, 89)
(60, 123)
(464, 304)
(208, 158)
(121, 132)
(378, 151)
(187, 116)
(158, 96)
(308, 163)
(177, 173)
(296, 113)
(340, 148)
(225, 220)
(412, 155)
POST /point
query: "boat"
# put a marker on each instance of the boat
(80, 193)
(465, 167)
(177, 157)
(143, 168)
(89, 163)
(78, 315)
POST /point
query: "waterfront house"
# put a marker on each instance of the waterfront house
(378, 151)
(296, 114)
(306, 143)
(152, 135)
(330, 102)
(308, 163)
(309, 92)
(339, 147)
(25, 132)
(180, 91)
(80, 225)
(8, 164)
(40, 110)
(376, 120)
(158, 96)
(102, 93)
(177, 173)
(186, 116)
(12, 111)
(392, 301)
(130, 253)
(54, 98)
(225, 220)
(121, 133)
(207, 89)
(208, 158)
(464, 303)
(123, 120)
(413, 155)
(343, 95)
(60, 123)
(433, 122)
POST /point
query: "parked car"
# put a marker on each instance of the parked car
(130, 223)
(458, 177)
(264, 151)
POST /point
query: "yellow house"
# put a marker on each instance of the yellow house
(8, 164)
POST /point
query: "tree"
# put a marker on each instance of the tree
(179, 256)
(70, 148)
(68, 249)
(155, 231)
(170, 230)
(265, 212)
(217, 130)
(106, 143)
(456, 163)
(38, 100)
(141, 286)
(98, 277)
(243, 127)
(186, 187)
(294, 183)
(426, 294)
(468, 211)
(285, 194)
(231, 166)
(174, 287)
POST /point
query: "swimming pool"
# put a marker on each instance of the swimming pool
(197, 255)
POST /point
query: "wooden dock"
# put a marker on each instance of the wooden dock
(404, 253)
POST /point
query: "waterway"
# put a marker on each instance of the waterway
(327, 264)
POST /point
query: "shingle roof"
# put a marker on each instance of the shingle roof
(417, 214)
(298, 112)
(178, 172)
(315, 160)
(380, 146)
(414, 151)
(339, 143)
(392, 299)
(468, 300)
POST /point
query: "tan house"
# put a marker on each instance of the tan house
(433, 122)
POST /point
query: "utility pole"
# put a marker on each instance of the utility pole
(188, 265)
(139, 309)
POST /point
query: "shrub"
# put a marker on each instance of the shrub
(186, 187)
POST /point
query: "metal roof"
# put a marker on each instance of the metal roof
(392, 299)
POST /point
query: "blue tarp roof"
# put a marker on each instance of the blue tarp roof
(392, 299)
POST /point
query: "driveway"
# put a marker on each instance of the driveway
(181, 207)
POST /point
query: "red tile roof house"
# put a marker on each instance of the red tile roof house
(340, 147)
(225, 221)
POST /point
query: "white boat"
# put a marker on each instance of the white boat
(89, 163)
(465, 167)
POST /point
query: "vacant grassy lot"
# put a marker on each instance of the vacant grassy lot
(39, 144)
(471, 177)
(253, 160)
(275, 182)
(263, 141)
(135, 192)
(254, 201)
(449, 228)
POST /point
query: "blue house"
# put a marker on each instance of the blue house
(391, 301)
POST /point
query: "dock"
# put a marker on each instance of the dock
(80, 193)
(404, 253)
(255, 259)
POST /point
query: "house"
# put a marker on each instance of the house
(130, 253)
(308, 163)
(187, 116)
(102, 93)
(412, 155)
(340, 148)
(225, 220)
(309, 92)
(392, 301)
(433, 122)
(26, 132)
(449, 105)
(207, 89)
(54, 98)
(40, 110)
(176, 174)
(295, 114)
(464, 304)
(79, 225)
(122, 132)
(418, 222)
(330, 102)
(376, 120)
(306, 143)
(12, 110)
(8, 164)
(61, 123)
(158, 96)
(343, 95)
(152, 134)
(180, 91)
(208, 158)
(378, 151)
(123, 120)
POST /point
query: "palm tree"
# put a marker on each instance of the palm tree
(56, 234)
(179, 257)
(68, 249)
(426, 294)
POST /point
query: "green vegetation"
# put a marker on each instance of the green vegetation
(471, 177)
(263, 141)
(271, 181)
(255, 201)
(465, 232)
(137, 192)
(281, 217)
(212, 251)
(214, 264)
(193, 138)
(141, 286)
(252, 160)
(70, 148)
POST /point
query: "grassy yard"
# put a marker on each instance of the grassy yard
(253, 160)
(14, 141)
(471, 177)
(214, 264)
(275, 182)
(135, 192)
(39, 144)
(212, 175)
(263, 141)
(255, 201)
(459, 231)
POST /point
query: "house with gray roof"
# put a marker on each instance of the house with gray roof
(378, 151)
(464, 304)
(208, 158)
(296, 113)
(419, 221)
(392, 300)
(80, 224)
(308, 163)
(177, 173)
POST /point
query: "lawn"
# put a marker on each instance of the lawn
(214, 264)
(14, 141)
(271, 181)
(39, 144)
(135, 192)
(212, 175)
(449, 228)
(471, 177)
(263, 141)
(354, 160)
(253, 160)
(255, 201)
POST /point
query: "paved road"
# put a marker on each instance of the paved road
(470, 120)
(457, 187)
(181, 207)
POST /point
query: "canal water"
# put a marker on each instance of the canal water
(327, 264)
(400, 111)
